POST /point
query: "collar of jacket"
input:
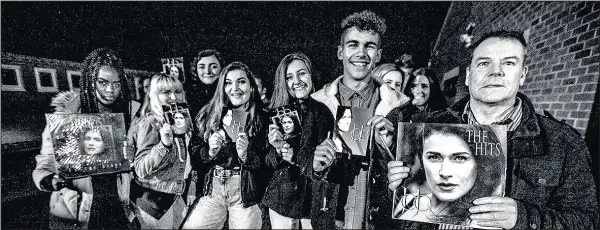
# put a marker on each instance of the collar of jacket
(526, 140)
(390, 99)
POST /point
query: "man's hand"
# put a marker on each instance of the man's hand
(241, 145)
(383, 128)
(287, 152)
(215, 142)
(166, 135)
(396, 173)
(494, 211)
(324, 155)
(275, 137)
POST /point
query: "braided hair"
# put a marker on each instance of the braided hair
(91, 66)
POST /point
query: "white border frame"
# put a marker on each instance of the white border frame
(18, 87)
(70, 79)
(38, 83)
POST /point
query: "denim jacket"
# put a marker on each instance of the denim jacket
(548, 172)
(157, 167)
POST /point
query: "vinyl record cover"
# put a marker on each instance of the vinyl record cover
(450, 166)
(174, 67)
(287, 120)
(352, 134)
(234, 122)
(178, 116)
(88, 144)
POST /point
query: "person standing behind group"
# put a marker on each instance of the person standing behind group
(406, 64)
(392, 76)
(424, 89)
(289, 194)
(549, 181)
(80, 203)
(162, 164)
(205, 68)
(358, 199)
(230, 183)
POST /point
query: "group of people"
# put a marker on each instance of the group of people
(201, 178)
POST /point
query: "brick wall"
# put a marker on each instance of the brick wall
(563, 56)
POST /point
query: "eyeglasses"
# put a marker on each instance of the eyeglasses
(104, 84)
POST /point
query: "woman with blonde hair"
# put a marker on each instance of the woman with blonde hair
(162, 166)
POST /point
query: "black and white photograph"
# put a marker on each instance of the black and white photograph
(352, 132)
(88, 144)
(300, 114)
(179, 118)
(451, 166)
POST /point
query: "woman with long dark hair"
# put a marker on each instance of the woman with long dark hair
(75, 203)
(424, 90)
(289, 193)
(230, 183)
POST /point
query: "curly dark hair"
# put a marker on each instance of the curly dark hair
(365, 20)
(205, 53)
(91, 66)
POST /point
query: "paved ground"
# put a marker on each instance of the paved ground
(23, 205)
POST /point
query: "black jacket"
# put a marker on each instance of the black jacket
(290, 192)
(204, 165)
(548, 173)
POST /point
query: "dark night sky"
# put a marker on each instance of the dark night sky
(256, 33)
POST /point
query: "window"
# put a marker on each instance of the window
(73, 77)
(11, 78)
(45, 79)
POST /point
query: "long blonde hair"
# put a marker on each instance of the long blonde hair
(158, 83)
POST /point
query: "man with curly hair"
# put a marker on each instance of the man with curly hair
(343, 188)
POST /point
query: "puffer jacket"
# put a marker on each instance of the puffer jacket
(377, 199)
(72, 208)
(548, 173)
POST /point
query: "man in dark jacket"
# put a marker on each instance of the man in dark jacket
(549, 184)
(351, 193)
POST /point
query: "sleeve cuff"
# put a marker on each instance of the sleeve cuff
(528, 216)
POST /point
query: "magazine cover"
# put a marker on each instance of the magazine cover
(88, 144)
(450, 166)
(234, 122)
(351, 126)
(178, 116)
(174, 67)
(287, 120)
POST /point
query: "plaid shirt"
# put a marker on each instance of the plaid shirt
(512, 117)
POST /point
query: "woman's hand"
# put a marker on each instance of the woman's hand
(396, 173)
(166, 135)
(241, 145)
(287, 153)
(215, 142)
(275, 137)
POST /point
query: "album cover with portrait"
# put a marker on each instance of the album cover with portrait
(351, 135)
(450, 166)
(288, 121)
(234, 122)
(88, 144)
(174, 67)
(178, 116)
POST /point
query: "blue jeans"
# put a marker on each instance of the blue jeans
(226, 197)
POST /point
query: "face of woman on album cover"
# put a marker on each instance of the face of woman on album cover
(93, 142)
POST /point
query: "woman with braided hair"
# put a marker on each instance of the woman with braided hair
(75, 203)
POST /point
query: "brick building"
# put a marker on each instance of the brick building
(28, 84)
(563, 54)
